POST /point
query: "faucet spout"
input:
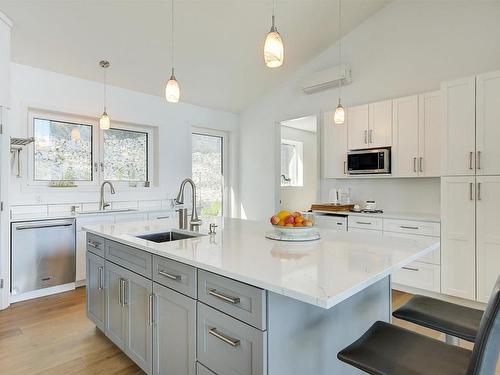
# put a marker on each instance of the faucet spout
(195, 220)
(102, 203)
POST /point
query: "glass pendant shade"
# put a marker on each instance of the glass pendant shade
(172, 90)
(274, 51)
(339, 116)
(75, 134)
(104, 121)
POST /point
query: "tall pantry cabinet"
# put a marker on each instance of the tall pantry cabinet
(470, 186)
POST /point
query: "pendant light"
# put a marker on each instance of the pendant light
(339, 116)
(274, 52)
(104, 120)
(172, 90)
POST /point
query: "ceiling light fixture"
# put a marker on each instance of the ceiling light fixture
(274, 52)
(104, 120)
(339, 116)
(172, 90)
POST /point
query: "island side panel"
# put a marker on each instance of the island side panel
(305, 339)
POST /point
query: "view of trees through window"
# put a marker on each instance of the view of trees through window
(125, 155)
(207, 159)
(62, 151)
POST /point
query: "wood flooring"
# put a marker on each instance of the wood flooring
(52, 335)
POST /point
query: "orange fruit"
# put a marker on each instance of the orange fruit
(281, 223)
(299, 219)
(282, 214)
(299, 224)
(288, 225)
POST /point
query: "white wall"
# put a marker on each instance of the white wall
(407, 47)
(298, 198)
(42, 89)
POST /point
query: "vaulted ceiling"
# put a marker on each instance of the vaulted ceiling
(218, 43)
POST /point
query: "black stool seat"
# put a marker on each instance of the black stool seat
(386, 349)
(451, 319)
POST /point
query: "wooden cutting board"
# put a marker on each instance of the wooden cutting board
(330, 207)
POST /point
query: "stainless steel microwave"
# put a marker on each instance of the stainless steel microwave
(370, 161)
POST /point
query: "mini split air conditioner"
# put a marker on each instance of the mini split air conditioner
(327, 79)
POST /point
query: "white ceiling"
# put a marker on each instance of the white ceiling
(302, 123)
(219, 61)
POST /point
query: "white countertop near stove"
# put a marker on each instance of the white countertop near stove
(391, 215)
(322, 273)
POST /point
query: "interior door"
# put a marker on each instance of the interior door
(174, 334)
(380, 124)
(458, 131)
(458, 254)
(405, 147)
(357, 127)
(429, 142)
(488, 124)
(488, 235)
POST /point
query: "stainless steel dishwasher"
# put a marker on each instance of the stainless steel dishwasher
(42, 254)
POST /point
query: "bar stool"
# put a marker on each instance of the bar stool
(386, 349)
(455, 321)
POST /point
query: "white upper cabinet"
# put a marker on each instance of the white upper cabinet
(380, 124)
(357, 127)
(488, 124)
(429, 129)
(488, 234)
(458, 130)
(458, 220)
(405, 135)
(5, 27)
(333, 147)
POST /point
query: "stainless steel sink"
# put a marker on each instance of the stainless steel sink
(168, 236)
(118, 210)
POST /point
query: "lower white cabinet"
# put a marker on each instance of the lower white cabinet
(488, 234)
(419, 275)
(458, 256)
(174, 332)
(128, 320)
(367, 231)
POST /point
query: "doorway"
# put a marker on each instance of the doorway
(298, 166)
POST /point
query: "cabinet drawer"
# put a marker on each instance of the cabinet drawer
(432, 258)
(228, 346)
(422, 228)
(244, 302)
(419, 275)
(95, 244)
(364, 222)
(202, 370)
(133, 259)
(175, 275)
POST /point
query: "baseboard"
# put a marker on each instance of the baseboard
(42, 292)
(80, 283)
(444, 297)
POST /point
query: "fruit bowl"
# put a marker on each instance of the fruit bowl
(293, 223)
(293, 231)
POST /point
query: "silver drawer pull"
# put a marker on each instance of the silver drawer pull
(170, 276)
(24, 227)
(95, 245)
(100, 272)
(363, 222)
(222, 337)
(410, 269)
(229, 299)
(406, 227)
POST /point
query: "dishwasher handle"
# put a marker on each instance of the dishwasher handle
(39, 226)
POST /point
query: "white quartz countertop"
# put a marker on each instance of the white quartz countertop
(322, 273)
(390, 215)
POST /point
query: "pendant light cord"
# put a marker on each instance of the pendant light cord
(172, 36)
(104, 68)
(340, 47)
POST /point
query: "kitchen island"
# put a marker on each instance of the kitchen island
(235, 302)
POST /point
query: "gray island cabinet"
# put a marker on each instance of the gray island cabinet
(235, 303)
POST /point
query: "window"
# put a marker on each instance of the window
(292, 169)
(208, 171)
(70, 150)
(125, 155)
(62, 151)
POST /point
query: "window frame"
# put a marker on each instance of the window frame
(97, 150)
(150, 132)
(226, 202)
